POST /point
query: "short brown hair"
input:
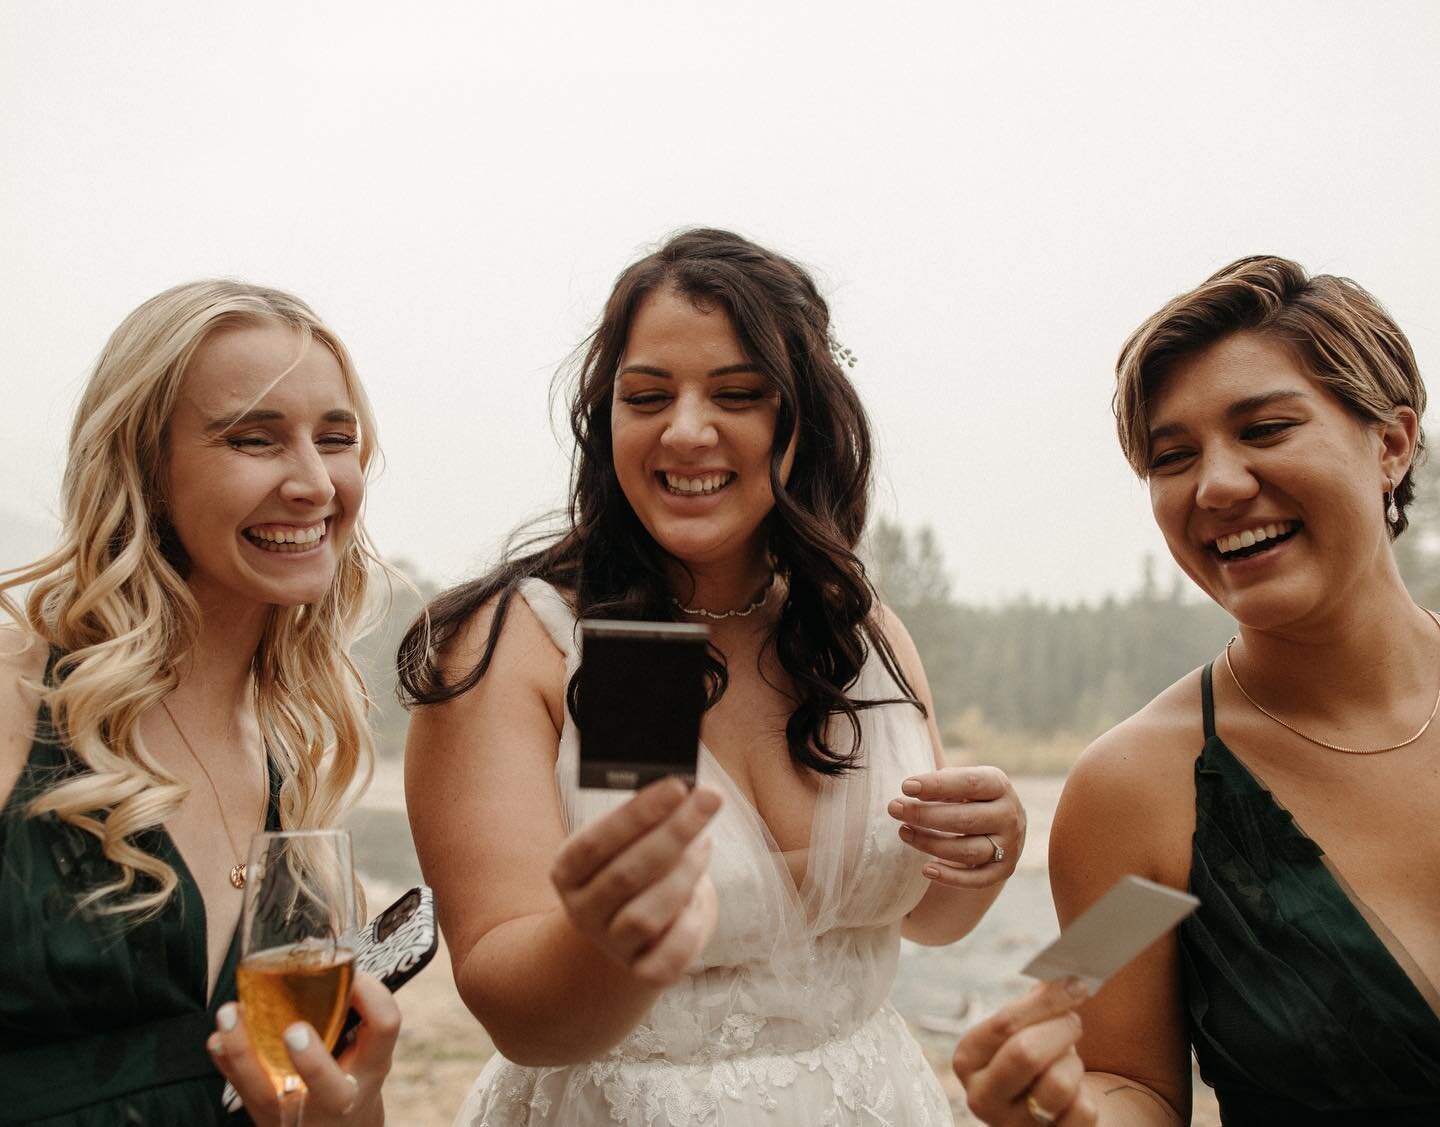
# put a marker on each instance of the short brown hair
(1339, 332)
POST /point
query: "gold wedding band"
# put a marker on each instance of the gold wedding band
(995, 860)
(1037, 1113)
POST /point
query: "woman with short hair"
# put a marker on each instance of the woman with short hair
(1290, 784)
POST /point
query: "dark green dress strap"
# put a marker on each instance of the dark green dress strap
(103, 1019)
(1298, 1011)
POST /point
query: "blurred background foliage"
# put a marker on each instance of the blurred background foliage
(1025, 684)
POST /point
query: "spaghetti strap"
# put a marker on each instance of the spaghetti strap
(1207, 700)
(554, 613)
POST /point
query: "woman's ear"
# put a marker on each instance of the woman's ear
(1397, 443)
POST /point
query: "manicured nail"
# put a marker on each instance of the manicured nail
(896, 808)
(910, 787)
(297, 1038)
(226, 1017)
(931, 871)
(215, 1046)
(907, 834)
(1077, 989)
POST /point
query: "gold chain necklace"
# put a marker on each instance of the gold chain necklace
(1324, 743)
(237, 870)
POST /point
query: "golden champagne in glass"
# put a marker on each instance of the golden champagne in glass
(296, 947)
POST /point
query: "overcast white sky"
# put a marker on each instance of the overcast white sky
(991, 196)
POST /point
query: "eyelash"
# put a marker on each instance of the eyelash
(643, 399)
(252, 442)
(1255, 432)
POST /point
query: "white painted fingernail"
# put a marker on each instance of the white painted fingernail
(226, 1017)
(297, 1038)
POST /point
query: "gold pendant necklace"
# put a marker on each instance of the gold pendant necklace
(1324, 743)
(237, 870)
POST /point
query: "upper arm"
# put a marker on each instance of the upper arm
(1128, 807)
(908, 658)
(22, 666)
(480, 780)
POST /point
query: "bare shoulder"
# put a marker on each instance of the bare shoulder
(22, 668)
(522, 649)
(894, 632)
(1129, 802)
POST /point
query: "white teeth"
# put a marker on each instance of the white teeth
(1252, 536)
(695, 486)
(301, 536)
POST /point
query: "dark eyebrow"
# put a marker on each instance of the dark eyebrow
(1235, 410)
(661, 373)
(229, 422)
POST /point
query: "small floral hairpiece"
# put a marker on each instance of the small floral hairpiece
(843, 356)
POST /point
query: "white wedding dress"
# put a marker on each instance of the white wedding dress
(784, 1019)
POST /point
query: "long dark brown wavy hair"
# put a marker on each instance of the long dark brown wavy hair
(614, 569)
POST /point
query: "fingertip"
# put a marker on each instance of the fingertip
(1077, 988)
(911, 787)
(226, 1017)
(214, 1045)
(707, 799)
(298, 1037)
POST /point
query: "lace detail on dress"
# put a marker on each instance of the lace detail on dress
(851, 1079)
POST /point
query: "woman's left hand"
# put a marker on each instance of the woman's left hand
(344, 1091)
(968, 818)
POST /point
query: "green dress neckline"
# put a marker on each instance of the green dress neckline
(1299, 1010)
(103, 1020)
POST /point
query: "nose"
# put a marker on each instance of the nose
(307, 478)
(691, 425)
(1225, 480)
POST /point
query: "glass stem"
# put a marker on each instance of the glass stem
(292, 1105)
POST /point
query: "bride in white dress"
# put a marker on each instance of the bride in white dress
(724, 955)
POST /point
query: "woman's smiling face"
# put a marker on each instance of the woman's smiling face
(692, 423)
(264, 477)
(1268, 491)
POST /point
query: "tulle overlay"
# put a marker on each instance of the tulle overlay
(784, 1018)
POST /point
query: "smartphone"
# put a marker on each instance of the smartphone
(394, 947)
(1133, 914)
(639, 701)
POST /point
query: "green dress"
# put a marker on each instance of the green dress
(103, 1021)
(1299, 1012)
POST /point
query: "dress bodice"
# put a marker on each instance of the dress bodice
(786, 1006)
(1299, 1012)
(103, 1018)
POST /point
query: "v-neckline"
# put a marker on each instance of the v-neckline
(1373, 924)
(802, 892)
(211, 995)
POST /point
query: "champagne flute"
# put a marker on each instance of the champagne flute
(297, 940)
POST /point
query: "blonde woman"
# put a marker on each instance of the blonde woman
(176, 680)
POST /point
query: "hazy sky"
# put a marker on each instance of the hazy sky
(992, 197)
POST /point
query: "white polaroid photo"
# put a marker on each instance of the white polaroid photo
(1117, 927)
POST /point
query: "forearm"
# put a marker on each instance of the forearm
(947, 914)
(1123, 1102)
(547, 995)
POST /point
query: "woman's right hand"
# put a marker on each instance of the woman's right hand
(1020, 1066)
(634, 882)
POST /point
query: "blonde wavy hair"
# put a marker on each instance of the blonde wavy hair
(112, 599)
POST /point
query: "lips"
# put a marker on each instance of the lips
(1251, 541)
(286, 538)
(695, 485)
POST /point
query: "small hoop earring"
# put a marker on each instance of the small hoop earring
(1392, 510)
